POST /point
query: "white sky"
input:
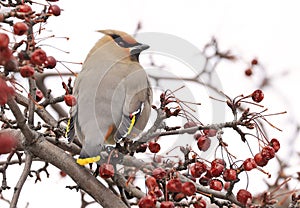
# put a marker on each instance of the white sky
(266, 29)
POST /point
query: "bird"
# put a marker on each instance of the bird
(113, 95)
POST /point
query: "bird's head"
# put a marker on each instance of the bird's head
(121, 42)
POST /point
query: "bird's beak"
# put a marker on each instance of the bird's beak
(138, 49)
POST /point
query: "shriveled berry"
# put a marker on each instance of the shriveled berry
(20, 28)
(275, 144)
(38, 57)
(243, 196)
(141, 148)
(159, 173)
(257, 96)
(268, 152)
(26, 71)
(249, 164)
(210, 132)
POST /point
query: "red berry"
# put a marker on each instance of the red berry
(204, 180)
(154, 147)
(55, 10)
(275, 144)
(38, 57)
(248, 72)
(260, 160)
(157, 192)
(38, 95)
(174, 185)
(243, 196)
(218, 160)
(4, 40)
(106, 170)
(6, 92)
(249, 164)
(159, 173)
(178, 197)
(230, 175)
(257, 96)
(254, 62)
(226, 185)
(5, 56)
(268, 152)
(203, 143)
(188, 188)
(167, 204)
(198, 169)
(189, 124)
(26, 71)
(216, 169)
(216, 184)
(24, 8)
(7, 143)
(210, 132)
(147, 202)
(20, 28)
(62, 174)
(70, 100)
(50, 62)
(151, 183)
(200, 204)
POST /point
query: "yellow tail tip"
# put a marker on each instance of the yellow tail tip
(84, 161)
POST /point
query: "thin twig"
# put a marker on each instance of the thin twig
(22, 179)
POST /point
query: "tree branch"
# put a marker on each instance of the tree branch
(22, 179)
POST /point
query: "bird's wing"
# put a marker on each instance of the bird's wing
(138, 98)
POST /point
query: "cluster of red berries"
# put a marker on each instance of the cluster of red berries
(215, 175)
(174, 187)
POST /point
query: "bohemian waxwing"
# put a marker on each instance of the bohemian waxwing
(113, 95)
